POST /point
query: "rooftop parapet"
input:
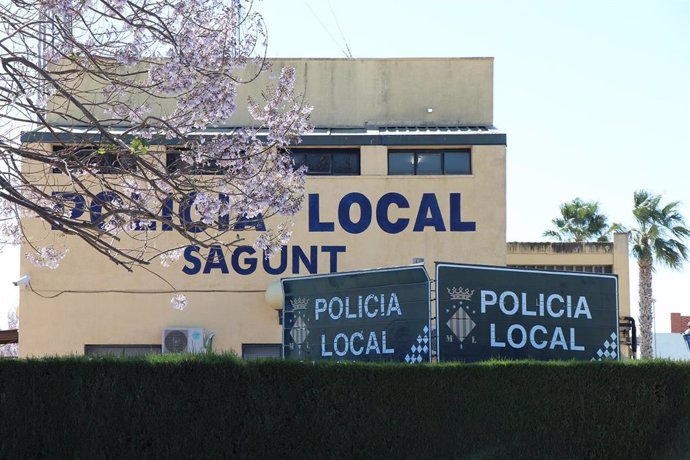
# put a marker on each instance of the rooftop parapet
(346, 93)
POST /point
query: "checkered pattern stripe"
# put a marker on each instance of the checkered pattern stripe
(461, 324)
(420, 348)
(609, 350)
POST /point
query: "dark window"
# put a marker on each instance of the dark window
(429, 162)
(106, 161)
(174, 163)
(401, 163)
(122, 350)
(261, 350)
(318, 162)
(327, 162)
(457, 163)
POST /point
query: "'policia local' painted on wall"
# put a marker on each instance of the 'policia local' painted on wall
(488, 312)
(431, 213)
(375, 315)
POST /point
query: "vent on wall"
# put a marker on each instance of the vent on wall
(183, 340)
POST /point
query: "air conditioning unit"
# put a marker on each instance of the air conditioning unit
(183, 340)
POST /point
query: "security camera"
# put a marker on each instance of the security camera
(23, 281)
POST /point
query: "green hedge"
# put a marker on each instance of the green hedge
(219, 407)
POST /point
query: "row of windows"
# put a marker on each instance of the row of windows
(249, 351)
(327, 162)
(104, 161)
(429, 162)
(319, 162)
(174, 163)
(570, 268)
(346, 162)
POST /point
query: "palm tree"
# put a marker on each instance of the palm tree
(659, 237)
(581, 221)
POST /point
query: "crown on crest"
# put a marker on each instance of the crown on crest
(459, 293)
(299, 303)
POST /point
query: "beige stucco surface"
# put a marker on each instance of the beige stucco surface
(353, 93)
(58, 318)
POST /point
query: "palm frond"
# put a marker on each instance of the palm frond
(553, 234)
(661, 230)
(580, 220)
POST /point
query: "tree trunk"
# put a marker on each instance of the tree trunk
(646, 307)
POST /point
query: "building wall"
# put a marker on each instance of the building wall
(357, 92)
(89, 301)
(679, 323)
(58, 316)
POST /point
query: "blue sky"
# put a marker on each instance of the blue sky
(593, 95)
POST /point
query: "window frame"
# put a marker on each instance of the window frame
(330, 153)
(106, 163)
(150, 349)
(172, 166)
(246, 346)
(418, 152)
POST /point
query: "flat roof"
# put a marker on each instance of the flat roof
(321, 136)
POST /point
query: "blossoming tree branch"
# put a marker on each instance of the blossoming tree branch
(104, 91)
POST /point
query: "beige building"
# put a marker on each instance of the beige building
(405, 163)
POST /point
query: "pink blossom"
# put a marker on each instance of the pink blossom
(49, 257)
(179, 302)
(170, 257)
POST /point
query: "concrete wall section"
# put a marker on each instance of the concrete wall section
(350, 93)
(397, 92)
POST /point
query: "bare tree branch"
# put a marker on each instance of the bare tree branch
(115, 99)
